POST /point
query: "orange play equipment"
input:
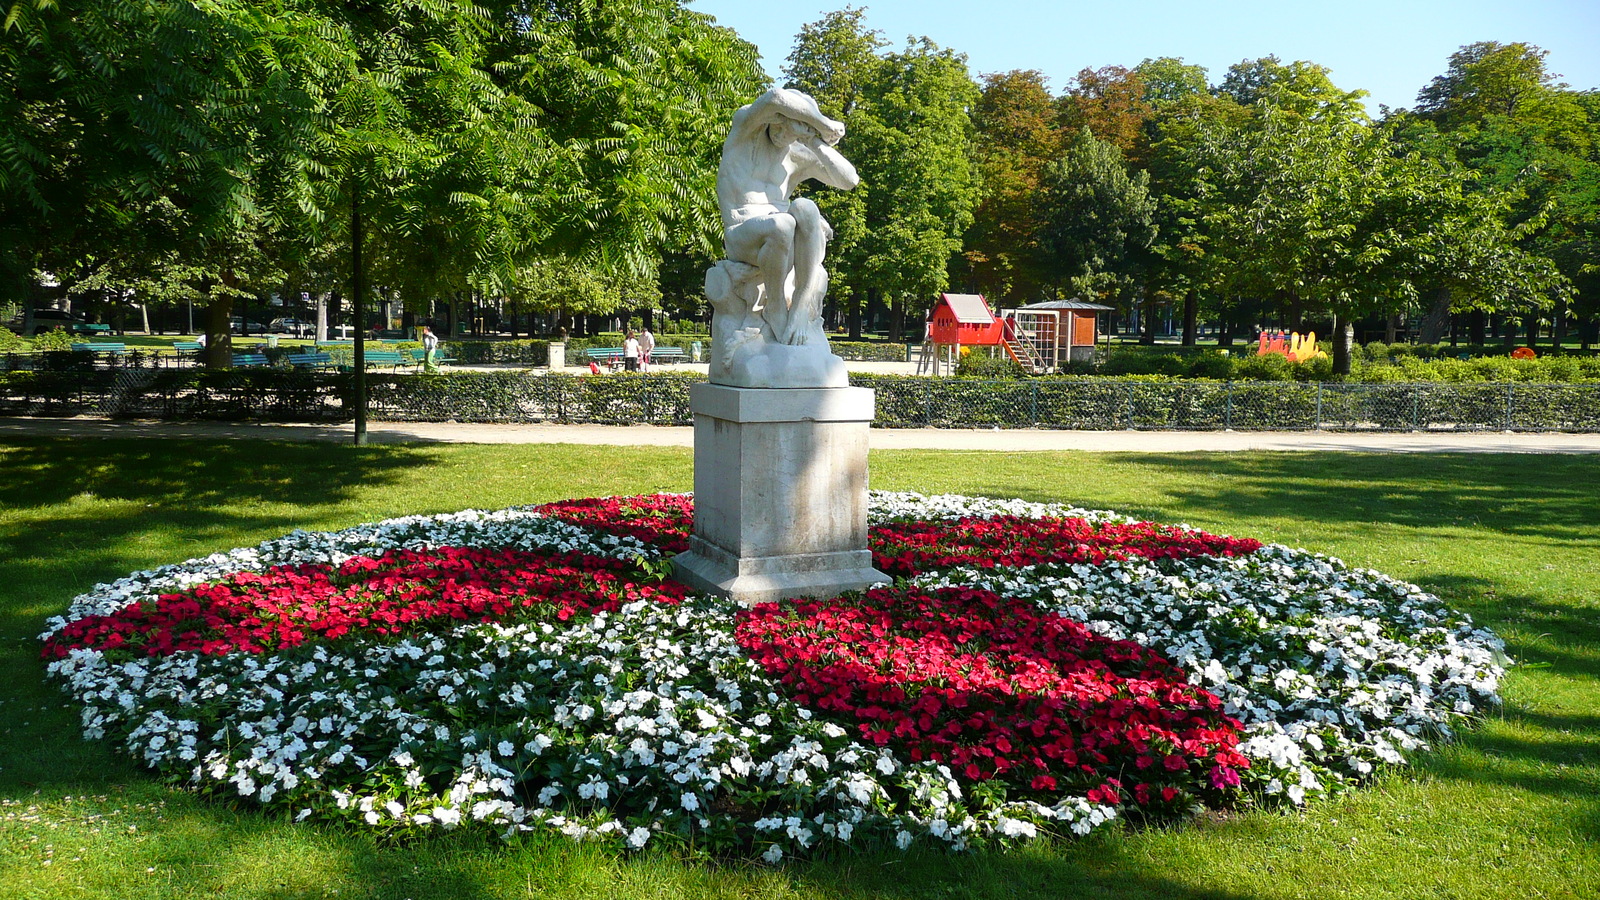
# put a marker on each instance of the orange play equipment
(1297, 347)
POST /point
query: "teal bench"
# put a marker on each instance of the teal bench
(102, 349)
(610, 356)
(249, 360)
(85, 328)
(667, 355)
(187, 346)
(309, 360)
(391, 358)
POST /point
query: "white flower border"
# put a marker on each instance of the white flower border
(655, 710)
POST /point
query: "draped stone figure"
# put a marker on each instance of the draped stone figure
(767, 294)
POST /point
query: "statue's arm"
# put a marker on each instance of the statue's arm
(780, 103)
(818, 160)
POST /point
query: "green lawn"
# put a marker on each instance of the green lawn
(1512, 811)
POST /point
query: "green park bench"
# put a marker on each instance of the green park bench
(668, 355)
(249, 360)
(309, 360)
(111, 353)
(102, 349)
(391, 358)
(86, 328)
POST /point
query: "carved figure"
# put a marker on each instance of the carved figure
(767, 295)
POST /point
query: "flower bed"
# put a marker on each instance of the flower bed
(1035, 669)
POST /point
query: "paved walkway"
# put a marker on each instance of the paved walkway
(880, 438)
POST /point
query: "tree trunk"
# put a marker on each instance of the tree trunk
(1191, 318)
(219, 334)
(1478, 328)
(854, 320)
(897, 320)
(1147, 322)
(1508, 331)
(1530, 324)
(1431, 331)
(1344, 338)
(1558, 326)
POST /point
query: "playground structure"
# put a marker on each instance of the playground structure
(1297, 347)
(1040, 337)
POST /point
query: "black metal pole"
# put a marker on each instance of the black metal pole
(358, 291)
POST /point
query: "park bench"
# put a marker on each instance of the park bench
(86, 328)
(309, 360)
(102, 349)
(249, 360)
(668, 355)
(390, 358)
(187, 346)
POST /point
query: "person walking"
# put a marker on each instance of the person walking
(430, 346)
(630, 352)
(647, 345)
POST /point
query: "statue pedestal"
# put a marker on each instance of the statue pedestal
(780, 493)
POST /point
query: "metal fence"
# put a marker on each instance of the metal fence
(902, 402)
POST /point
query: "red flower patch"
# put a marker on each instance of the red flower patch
(910, 548)
(255, 612)
(664, 521)
(997, 689)
(907, 549)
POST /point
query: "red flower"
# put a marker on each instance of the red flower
(994, 688)
(397, 592)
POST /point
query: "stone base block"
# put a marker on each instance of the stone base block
(712, 570)
(780, 481)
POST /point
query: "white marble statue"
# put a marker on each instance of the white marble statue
(767, 294)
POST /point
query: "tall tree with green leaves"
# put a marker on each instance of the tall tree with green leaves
(1099, 221)
(836, 60)
(915, 162)
(1016, 137)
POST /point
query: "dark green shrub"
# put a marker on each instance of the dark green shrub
(1217, 365)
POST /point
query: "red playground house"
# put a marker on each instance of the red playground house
(957, 321)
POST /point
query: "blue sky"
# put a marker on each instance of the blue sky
(1391, 49)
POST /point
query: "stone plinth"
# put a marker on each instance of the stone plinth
(780, 492)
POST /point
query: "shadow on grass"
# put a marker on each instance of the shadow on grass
(1093, 867)
(1524, 494)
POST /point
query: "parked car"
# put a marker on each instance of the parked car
(46, 319)
(241, 326)
(295, 327)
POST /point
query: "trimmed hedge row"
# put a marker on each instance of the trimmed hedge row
(902, 401)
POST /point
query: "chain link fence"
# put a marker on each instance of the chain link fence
(902, 402)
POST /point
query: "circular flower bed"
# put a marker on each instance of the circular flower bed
(1033, 669)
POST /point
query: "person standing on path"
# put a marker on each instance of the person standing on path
(630, 352)
(647, 345)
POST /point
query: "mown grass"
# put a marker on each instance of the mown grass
(1511, 811)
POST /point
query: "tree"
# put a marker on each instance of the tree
(1299, 88)
(1110, 102)
(1169, 79)
(1531, 143)
(1016, 137)
(916, 167)
(835, 60)
(1099, 219)
(1488, 78)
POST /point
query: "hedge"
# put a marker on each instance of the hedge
(902, 401)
